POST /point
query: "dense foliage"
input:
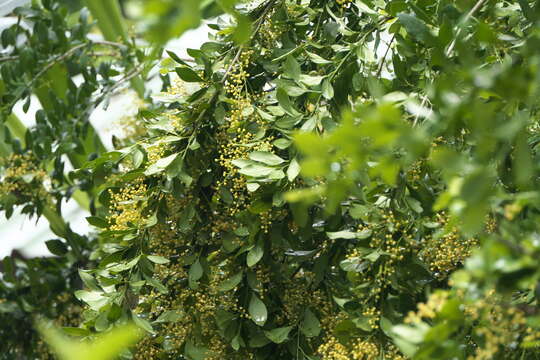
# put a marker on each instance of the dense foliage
(323, 180)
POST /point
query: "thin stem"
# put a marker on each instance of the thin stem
(132, 74)
(475, 8)
(260, 21)
(379, 71)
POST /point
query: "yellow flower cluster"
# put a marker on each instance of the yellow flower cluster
(499, 325)
(358, 349)
(491, 225)
(69, 311)
(414, 173)
(364, 350)
(429, 309)
(332, 349)
(270, 32)
(125, 206)
(22, 177)
(156, 151)
(373, 315)
(445, 253)
(297, 296)
(391, 237)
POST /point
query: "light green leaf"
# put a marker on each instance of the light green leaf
(89, 280)
(257, 310)
(310, 80)
(327, 89)
(96, 299)
(254, 255)
(170, 316)
(106, 346)
(318, 59)
(256, 171)
(158, 259)
(142, 323)
(291, 68)
(345, 234)
(160, 165)
(231, 282)
(278, 335)
(266, 157)
(252, 186)
(293, 170)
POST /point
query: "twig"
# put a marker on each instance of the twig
(258, 27)
(424, 100)
(229, 68)
(70, 51)
(379, 71)
(54, 61)
(8, 58)
(475, 8)
(109, 43)
(133, 73)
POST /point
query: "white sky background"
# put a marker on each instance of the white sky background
(29, 235)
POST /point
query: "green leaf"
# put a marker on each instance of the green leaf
(257, 310)
(142, 323)
(187, 74)
(97, 222)
(285, 102)
(256, 171)
(293, 170)
(282, 143)
(318, 59)
(415, 27)
(414, 204)
(254, 255)
(195, 273)
(232, 282)
(176, 58)
(160, 165)
(292, 68)
(327, 89)
(266, 157)
(291, 88)
(89, 280)
(310, 325)
(158, 259)
(95, 299)
(194, 352)
(170, 316)
(106, 346)
(311, 80)
(345, 234)
(56, 247)
(278, 335)
(411, 334)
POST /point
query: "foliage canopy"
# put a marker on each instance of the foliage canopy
(323, 180)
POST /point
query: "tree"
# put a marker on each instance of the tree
(347, 180)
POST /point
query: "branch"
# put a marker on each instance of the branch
(259, 21)
(106, 92)
(55, 61)
(379, 71)
(8, 58)
(475, 8)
